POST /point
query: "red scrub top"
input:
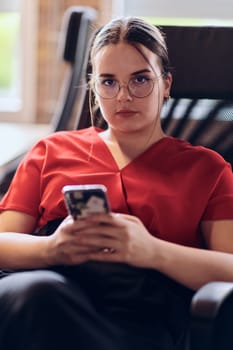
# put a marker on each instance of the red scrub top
(171, 187)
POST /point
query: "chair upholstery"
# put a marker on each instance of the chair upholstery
(201, 62)
(76, 30)
(212, 317)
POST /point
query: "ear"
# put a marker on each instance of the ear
(95, 99)
(93, 96)
(167, 85)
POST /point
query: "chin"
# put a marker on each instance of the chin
(132, 129)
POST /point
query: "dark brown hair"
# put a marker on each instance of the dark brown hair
(133, 31)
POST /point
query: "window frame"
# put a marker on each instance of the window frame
(28, 65)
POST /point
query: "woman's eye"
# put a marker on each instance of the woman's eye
(108, 82)
(141, 80)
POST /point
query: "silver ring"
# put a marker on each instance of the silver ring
(108, 250)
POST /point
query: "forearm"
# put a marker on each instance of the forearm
(22, 251)
(192, 267)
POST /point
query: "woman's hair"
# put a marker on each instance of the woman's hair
(133, 31)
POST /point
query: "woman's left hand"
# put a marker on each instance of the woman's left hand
(118, 238)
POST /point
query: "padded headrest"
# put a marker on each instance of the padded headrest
(202, 61)
(74, 19)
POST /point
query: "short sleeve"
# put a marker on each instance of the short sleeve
(220, 204)
(24, 191)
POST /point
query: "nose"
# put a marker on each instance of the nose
(124, 94)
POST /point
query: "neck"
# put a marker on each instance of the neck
(132, 143)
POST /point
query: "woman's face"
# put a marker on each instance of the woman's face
(125, 112)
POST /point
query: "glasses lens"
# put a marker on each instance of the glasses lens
(140, 86)
(106, 88)
(137, 86)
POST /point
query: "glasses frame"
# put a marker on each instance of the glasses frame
(127, 85)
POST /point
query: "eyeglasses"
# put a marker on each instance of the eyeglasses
(138, 86)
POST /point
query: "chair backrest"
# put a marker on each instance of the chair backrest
(201, 106)
(78, 24)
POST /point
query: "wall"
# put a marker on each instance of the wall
(50, 66)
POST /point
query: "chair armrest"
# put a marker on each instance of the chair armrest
(212, 317)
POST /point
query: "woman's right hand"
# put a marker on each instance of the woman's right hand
(64, 246)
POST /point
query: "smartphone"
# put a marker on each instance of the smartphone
(85, 200)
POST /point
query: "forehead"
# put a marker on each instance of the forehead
(124, 58)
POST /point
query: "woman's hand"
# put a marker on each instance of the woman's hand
(103, 237)
(63, 245)
(126, 239)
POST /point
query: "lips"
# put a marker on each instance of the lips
(125, 112)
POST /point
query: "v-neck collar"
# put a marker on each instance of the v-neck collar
(108, 154)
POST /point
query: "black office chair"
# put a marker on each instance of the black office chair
(78, 24)
(200, 111)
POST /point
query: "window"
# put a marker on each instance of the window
(17, 60)
(173, 11)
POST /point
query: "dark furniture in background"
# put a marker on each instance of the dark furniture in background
(201, 61)
(78, 25)
(212, 317)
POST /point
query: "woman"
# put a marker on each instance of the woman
(170, 230)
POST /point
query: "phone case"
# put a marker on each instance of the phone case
(85, 200)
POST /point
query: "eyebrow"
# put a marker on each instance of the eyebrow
(146, 70)
(108, 75)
